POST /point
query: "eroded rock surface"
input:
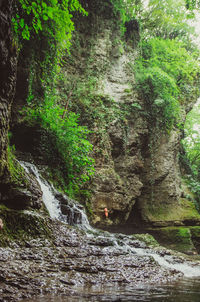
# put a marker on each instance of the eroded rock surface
(137, 164)
(8, 69)
(58, 266)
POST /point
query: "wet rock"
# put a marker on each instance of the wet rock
(101, 242)
(73, 216)
(136, 244)
(37, 268)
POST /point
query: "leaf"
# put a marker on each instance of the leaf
(21, 23)
(34, 4)
(44, 5)
(54, 2)
(136, 105)
(50, 12)
(45, 17)
(26, 33)
(159, 102)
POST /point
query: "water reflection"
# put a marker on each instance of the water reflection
(187, 290)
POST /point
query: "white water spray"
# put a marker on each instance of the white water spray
(49, 200)
(53, 204)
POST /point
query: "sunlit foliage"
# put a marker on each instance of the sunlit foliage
(53, 17)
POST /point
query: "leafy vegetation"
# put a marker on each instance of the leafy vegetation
(166, 73)
(165, 77)
(192, 4)
(50, 23)
(126, 10)
(70, 139)
(191, 144)
(192, 138)
(167, 19)
(53, 17)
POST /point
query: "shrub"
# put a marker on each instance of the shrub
(162, 73)
(70, 138)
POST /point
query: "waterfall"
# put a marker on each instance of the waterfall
(67, 210)
(58, 205)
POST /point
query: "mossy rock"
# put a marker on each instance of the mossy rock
(177, 238)
(147, 238)
(195, 233)
(165, 215)
(21, 226)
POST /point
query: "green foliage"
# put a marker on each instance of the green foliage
(127, 9)
(166, 19)
(70, 138)
(194, 184)
(191, 144)
(53, 17)
(165, 75)
(192, 4)
(49, 23)
(191, 141)
(16, 171)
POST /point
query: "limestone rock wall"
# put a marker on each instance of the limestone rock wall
(137, 175)
(138, 181)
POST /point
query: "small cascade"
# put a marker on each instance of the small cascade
(114, 243)
(63, 208)
(168, 261)
(58, 205)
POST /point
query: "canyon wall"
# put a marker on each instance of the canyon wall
(137, 176)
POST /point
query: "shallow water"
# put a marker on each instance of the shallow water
(186, 290)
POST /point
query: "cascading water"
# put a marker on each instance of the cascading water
(64, 209)
(58, 205)
(167, 261)
(49, 200)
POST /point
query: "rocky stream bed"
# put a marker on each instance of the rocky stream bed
(72, 258)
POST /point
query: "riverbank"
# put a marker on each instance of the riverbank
(71, 258)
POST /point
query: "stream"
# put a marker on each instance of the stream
(186, 290)
(87, 264)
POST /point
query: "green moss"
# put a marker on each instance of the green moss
(183, 210)
(147, 238)
(16, 171)
(195, 232)
(22, 226)
(177, 238)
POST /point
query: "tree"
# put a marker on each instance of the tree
(166, 19)
(192, 4)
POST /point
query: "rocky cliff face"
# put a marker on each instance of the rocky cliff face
(8, 66)
(16, 190)
(138, 175)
